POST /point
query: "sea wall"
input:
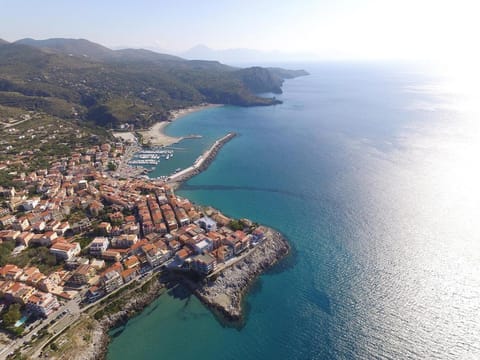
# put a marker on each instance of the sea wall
(224, 294)
(203, 162)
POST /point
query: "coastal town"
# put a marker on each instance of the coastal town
(77, 232)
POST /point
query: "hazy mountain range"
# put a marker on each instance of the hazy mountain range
(238, 55)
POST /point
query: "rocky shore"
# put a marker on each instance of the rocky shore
(98, 346)
(224, 293)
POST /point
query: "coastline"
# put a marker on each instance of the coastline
(224, 294)
(156, 136)
(98, 330)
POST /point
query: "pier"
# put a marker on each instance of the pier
(202, 162)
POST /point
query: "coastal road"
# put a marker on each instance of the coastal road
(59, 316)
(66, 315)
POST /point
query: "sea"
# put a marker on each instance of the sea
(372, 172)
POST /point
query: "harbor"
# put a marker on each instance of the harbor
(151, 157)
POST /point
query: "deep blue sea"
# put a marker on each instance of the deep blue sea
(372, 171)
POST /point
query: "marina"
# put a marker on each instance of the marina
(151, 157)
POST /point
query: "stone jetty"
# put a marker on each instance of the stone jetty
(202, 162)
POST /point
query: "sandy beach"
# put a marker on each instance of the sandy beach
(156, 136)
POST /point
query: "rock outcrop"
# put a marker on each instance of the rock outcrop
(225, 293)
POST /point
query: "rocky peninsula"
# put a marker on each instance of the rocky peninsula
(224, 292)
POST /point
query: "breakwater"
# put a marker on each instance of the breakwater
(202, 162)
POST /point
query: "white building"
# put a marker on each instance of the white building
(42, 304)
(65, 251)
(207, 224)
(112, 280)
(203, 246)
(98, 246)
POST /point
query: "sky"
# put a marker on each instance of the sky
(328, 29)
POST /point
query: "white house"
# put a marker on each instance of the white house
(64, 250)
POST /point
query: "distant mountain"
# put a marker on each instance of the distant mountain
(239, 56)
(3, 42)
(79, 79)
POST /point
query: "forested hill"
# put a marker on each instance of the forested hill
(79, 79)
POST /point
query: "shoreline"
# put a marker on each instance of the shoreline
(156, 136)
(225, 294)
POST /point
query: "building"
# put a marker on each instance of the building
(124, 241)
(98, 246)
(105, 228)
(182, 216)
(47, 238)
(204, 246)
(21, 224)
(94, 293)
(131, 262)
(19, 293)
(224, 253)
(111, 255)
(97, 264)
(207, 224)
(82, 275)
(154, 255)
(203, 264)
(64, 250)
(24, 238)
(129, 275)
(42, 304)
(10, 272)
(111, 280)
(7, 220)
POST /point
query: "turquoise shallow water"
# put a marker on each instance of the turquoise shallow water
(371, 171)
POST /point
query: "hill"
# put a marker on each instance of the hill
(78, 79)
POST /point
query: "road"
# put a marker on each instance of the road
(63, 315)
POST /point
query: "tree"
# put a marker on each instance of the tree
(112, 166)
(236, 225)
(5, 251)
(12, 315)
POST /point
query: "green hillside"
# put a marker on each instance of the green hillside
(82, 80)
